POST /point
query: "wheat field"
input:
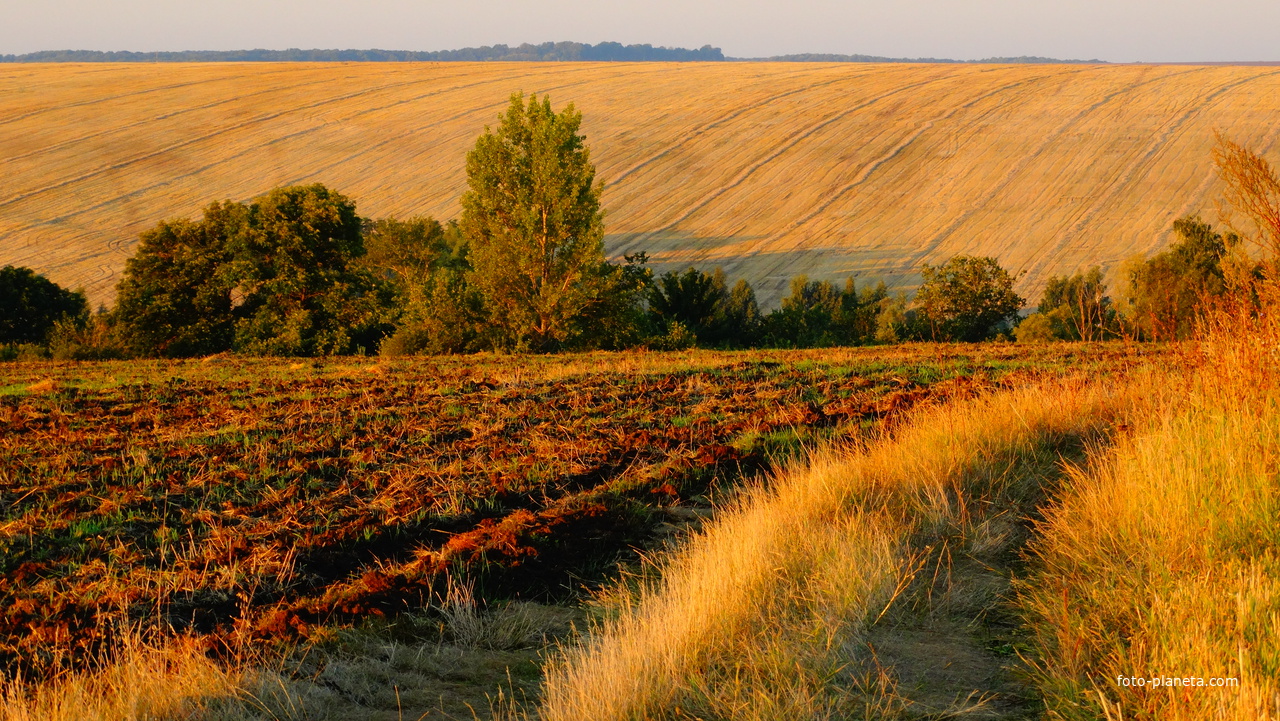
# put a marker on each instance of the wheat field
(766, 169)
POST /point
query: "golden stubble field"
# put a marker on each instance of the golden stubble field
(766, 169)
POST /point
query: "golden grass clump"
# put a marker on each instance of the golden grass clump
(761, 614)
(1162, 560)
(143, 682)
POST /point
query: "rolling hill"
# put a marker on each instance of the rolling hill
(768, 169)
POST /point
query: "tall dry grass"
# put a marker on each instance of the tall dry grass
(759, 616)
(1163, 557)
(143, 682)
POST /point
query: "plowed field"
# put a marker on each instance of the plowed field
(767, 169)
(261, 499)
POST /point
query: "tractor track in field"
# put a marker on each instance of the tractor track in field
(1141, 163)
(1019, 167)
(258, 120)
(865, 173)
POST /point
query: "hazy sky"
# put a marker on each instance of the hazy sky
(1116, 30)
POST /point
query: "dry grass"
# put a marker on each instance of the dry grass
(764, 614)
(144, 682)
(484, 660)
(768, 169)
(1163, 558)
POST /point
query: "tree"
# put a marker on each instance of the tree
(1077, 306)
(805, 318)
(691, 298)
(742, 317)
(859, 310)
(175, 296)
(1163, 296)
(893, 320)
(30, 306)
(532, 218)
(293, 264)
(407, 252)
(966, 299)
(277, 276)
(1036, 328)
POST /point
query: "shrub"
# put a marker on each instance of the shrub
(1035, 328)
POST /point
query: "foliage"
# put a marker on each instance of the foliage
(97, 339)
(175, 297)
(806, 316)
(1077, 306)
(277, 276)
(293, 264)
(30, 305)
(1164, 295)
(1253, 189)
(1036, 328)
(532, 218)
(966, 299)
(406, 252)
(893, 320)
(692, 299)
(446, 317)
(816, 314)
(618, 319)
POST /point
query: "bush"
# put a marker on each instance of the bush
(1163, 297)
(22, 352)
(1035, 328)
(99, 339)
(677, 337)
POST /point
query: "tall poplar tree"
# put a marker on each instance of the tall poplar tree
(532, 219)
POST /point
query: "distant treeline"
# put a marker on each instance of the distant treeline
(829, 58)
(544, 52)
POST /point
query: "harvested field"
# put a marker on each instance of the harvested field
(264, 499)
(767, 169)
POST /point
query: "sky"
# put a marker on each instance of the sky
(1113, 30)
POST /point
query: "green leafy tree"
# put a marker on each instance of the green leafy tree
(618, 319)
(807, 315)
(858, 311)
(532, 218)
(966, 299)
(692, 298)
(175, 296)
(1036, 328)
(1077, 306)
(277, 276)
(407, 252)
(30, 306)
(447, 316)
(894, 320)
(293, 264)
(1164, 295)
(742, 318)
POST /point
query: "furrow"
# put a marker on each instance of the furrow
(119, 96)
(778, 150)
(1141, 162)
(240, 126)
(927, 249)
(704, 128)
